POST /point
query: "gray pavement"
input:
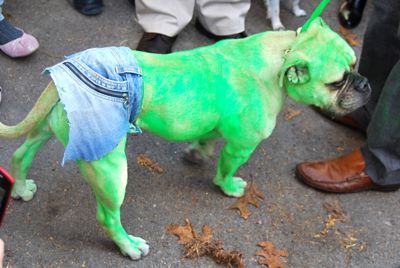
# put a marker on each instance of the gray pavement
(58, 227)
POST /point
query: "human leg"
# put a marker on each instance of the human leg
(382, 150)
(380, 52)
(154, 16)
(223, 17)
(162, 23)
(14, 42)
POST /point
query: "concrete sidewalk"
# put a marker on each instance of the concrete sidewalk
(58, 227)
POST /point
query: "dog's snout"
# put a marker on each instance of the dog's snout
(360, 83)
(363, 86)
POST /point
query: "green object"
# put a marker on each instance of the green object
(233, 90)
(317, 12)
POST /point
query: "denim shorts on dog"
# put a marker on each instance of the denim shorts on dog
(102, 91)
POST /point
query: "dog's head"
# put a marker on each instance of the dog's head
(318, 70)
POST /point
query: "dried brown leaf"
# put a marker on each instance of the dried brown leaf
(251, 197)
(271, 256)
(350, 37)
(335, 215)
(150, 164)
(183, 232)
(292, 113)
(198, 245)
(350, 242)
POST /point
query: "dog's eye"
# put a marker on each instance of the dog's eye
(339, 84)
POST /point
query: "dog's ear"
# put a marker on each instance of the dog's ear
(295, 73)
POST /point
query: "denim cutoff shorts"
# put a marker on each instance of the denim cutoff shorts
(102, 91)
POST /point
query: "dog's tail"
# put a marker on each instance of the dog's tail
(42, 107)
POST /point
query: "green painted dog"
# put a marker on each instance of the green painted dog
(232, 90)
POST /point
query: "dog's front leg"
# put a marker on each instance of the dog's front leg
(108, 178)
(231, 158)
(273, 7)
(297, 11)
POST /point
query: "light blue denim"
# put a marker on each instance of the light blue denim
(1, 10)
(102, 91)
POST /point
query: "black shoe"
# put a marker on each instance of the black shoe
(350, 12)
(210, 35)
(156, 43)
(89, 7)
(132, 2)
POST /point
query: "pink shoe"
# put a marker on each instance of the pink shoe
(20, 47)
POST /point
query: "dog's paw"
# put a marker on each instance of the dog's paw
(234, 187)
(136, 248)
(193, 156)
(298, 12)
(277, 26)
(24, 191)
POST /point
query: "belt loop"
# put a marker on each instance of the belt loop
(128, 69)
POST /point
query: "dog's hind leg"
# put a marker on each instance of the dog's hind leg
(201, 149)
(233, 155)
(297, 11)
(23, 157)
(108, 178)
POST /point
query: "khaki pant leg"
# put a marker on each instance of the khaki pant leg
(223, 17)
(164, 17)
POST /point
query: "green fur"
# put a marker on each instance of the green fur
(232, 90)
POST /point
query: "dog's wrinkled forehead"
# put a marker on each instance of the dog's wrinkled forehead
(320, 46)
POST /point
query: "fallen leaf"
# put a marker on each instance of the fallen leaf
(183, 232)
(271, 256)
(350, 37)
(150, 164)
(292, 113)
(251, 197)
(350, 242)
(335, 215)
(198, 245)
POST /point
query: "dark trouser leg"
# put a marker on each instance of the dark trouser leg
(381, 51)
(382, 150)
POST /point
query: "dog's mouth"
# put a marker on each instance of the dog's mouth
(353, 91)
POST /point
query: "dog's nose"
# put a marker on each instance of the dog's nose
(361, 83)
(363, 86)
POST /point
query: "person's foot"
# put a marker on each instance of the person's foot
(210, 35)
(346, 120)
(345, 174)
(89, 7)
(156, 43)
(14, 42)
(350, 12)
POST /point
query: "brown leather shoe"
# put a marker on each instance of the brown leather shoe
(215, 37)
(156, 43)
(340, 175)
(346, 120)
